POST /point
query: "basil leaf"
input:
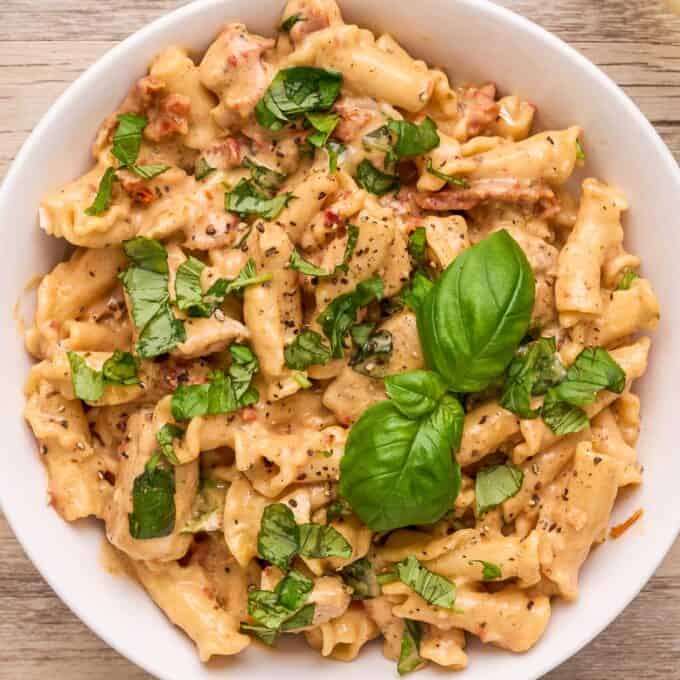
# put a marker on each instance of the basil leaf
(295, 91)
(415, 393)
(361, 577)
(323, 124)
(188, 289)
(373, 354)
(561, 417)
(378, 140)
(409, 655)
(417, 291)
(433, 588)
(165, 438)
(265, 178)
(121, 369)
(580, 153)
(320, 541)
(397, 471)
(290, 21)
(149, 171)
(375, 181)
(103, 198)
(417, 243)
(627, 280)
(490, 571)
(293, 590)
(243, 368)
(279, 538)
(190, 401)
(534, 369)
(592, 371)
(361, 332)
(266, 635)
(300, 619)
(306, 350)
(161, 334)
(411, 139)
(334, 150)
(449, 179)
(148, 293)
(147, 253)
(88, 384)
(338, 508)
(495, 484)
(299, 264)
(202, 169)
(127, 140)
(245, 200)
(153, 504)
(475, 316)
(337, 318)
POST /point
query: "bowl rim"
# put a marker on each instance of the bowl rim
(185, 13)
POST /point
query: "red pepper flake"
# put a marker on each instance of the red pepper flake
(621, 529)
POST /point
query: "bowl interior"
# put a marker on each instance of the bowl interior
(475, 41)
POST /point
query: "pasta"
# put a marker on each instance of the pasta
(338, 353)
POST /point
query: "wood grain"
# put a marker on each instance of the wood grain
(45, 44)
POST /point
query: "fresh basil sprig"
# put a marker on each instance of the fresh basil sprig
(341, 313)
(296, 91)
(299, 264)
(153, 502)
(281, 538)
(88, 384)
(475, 316)
(224, 393)
(398, 470)
(494, 485)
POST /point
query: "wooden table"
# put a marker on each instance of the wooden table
(45, 44)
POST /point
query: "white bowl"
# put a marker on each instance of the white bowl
(476, 40)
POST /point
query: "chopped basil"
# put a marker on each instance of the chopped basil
(378, 140)
(561, 417)
(188, 289)
(153, 503)
(386, 577)
(535, 368)
(416, 291)
(413, 140)
(361, 577)
(417, 243)
(299, 264)
(295, 91)
(149, 171)
(494, 485)
(103, 198)
(338, 508)
(165, 438)
(323, 124)
(490, 571)
(627, 280)
(306, 350)
(375, 181)
(433, 588)
(279, 538)
(127, 140)
(409, 654)
(321, 541)
(146, 283)
(88, 384)
(373, 351)
(334, 150)
(224, 394)
(449, 179)
(264, 178)
(337, 318)
(302, 380)
(202, 169)
(580, 153)
(290, 21)
(245, 199)
(282, 609)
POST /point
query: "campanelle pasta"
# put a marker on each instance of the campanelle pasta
(337, 352)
